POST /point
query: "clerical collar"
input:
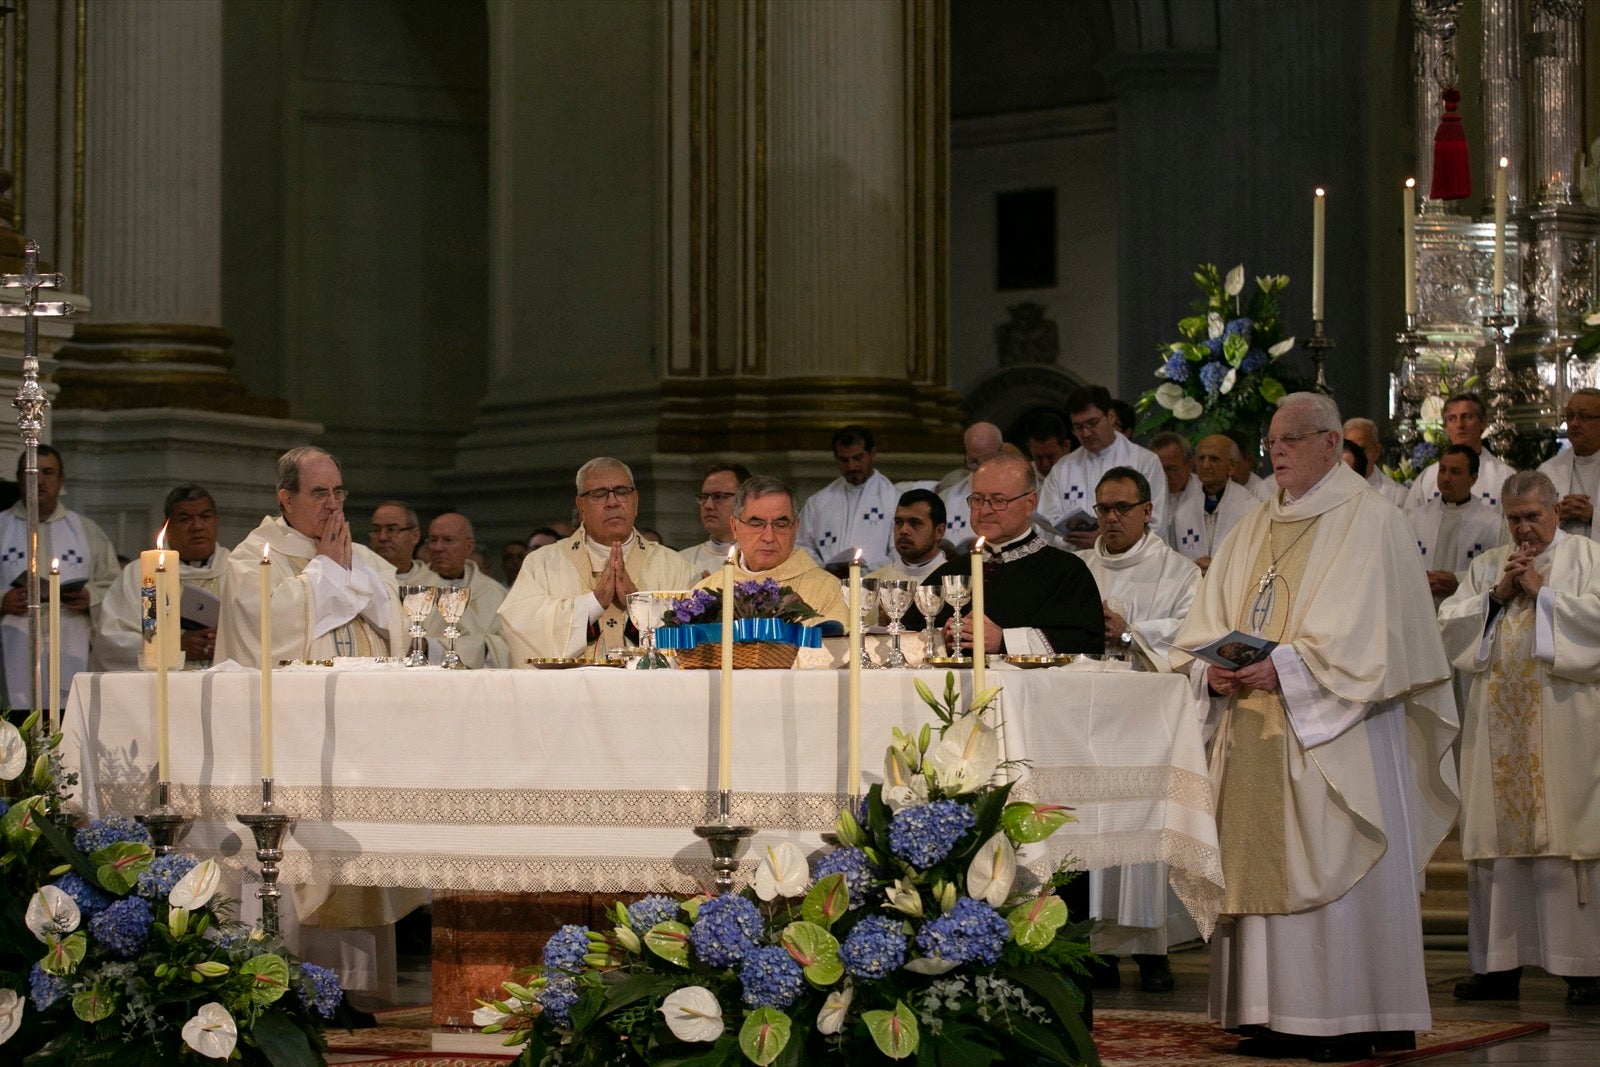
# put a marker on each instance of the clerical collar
(1287, 499)
(1457, 504)
(920, 571)
(996, 547)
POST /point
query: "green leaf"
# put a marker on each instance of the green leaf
(1272, 390)
(670, 941)
(62, 843)
(764, 1034)
(815, 950)
(634, 988)
(283, 1041)
(268, 975)
(94, 1005)
(1040, 1039)
(990, 806)
(1034, 923)
(1192, 326)
(1065, 1002)
(62, 955)
(828, 899)
(118, 866)
(1027, 823)
(20, 825)
(894, 1032)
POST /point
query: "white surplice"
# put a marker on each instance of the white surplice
(1492, 474)
(1069, 488)
(705, 557)
(1573, 474)
(1387, 487)
(1194, 533)
(957, 514)
(481, 644)
(842, 516)
(1469, 530)
(118, 633)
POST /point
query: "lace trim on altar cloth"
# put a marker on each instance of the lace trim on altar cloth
(1112, 784)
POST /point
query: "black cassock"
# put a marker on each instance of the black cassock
(1031, 583)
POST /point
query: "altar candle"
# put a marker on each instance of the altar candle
(162, 621)
(53, 717)
(1500, 227)
(977, 617)
(266, 662)
(1318, 240)
(1409, 217)
(725, 721)
(853, 761)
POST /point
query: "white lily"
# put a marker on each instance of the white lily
(830, 1020)
(13, 751)
(906, 745)
(1281, 347)
(1188, 408)
(693, 1014)
(992, 871)
(489, 1015)
(196, 887)
(11, 1014)
(1233, 284)
(1169, 394)
(913, 794)
(1228, 381)
(966, 757)
(51, 913)
(1433, 409)
(1214, 326)
(782, 872)
(904, 897)
(212, 1032)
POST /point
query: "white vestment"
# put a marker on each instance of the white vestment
(550, 609)
(118, 633)
(320, 610)
(86, 556)
(1530, 761)
(1069, 488)
(419, 574)
(1326, 937)
(705, 557)
(1573, 474)
(842, 516)
(1477, 527)
(1198, 535)
(899, 568)
(1492, 474)
(1262, 488)
(957, 515)
(1387, 487)
(481, 644)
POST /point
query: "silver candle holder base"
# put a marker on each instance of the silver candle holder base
(723, 837)
(267, 826)
(1319, 345)
(167, 825)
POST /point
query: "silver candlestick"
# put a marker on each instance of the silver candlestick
(166, 824)
(1500, 433)
(1409, 385)
(267, 826)
(723, 837)
(1319, 345)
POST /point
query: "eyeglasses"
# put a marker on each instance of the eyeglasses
(1119, 510)
(598, 496)
(1580, 416)
(1087, 424)
(391, 531)
(775, 525)
(1292, 438)
(995, 502)
(713, 498)
(322, 496)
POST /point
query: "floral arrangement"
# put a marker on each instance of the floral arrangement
(1431, 438)
(112, 954)
(1588, 342)
(761, 598)
(917, 936)
(1224, 372)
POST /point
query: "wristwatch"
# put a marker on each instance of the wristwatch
(1126, 638)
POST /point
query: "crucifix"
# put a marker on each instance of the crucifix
(30, 403)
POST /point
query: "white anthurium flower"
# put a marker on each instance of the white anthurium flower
(913, 794)
(1433, 409)
(966, 757)
(1229, 380)
(1281, 347)
(903, 897)
(830, 1020)
(1168, 395)
(1214, 326)
(212, 1032)
(1233, 285)
(782, 872)
(1188, 408)
(196, 887)
(1592, 319)
(489, 1015)
(13, 751)
(693, 1014)
(992, 871)
(51, 913)
(929, 965)
(11, 1014)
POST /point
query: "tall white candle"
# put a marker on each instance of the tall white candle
(725, 717)
(978, 637)
(1409, 220)
(266, 662)
(853, 760)
(1318, 242)
(1500, 226)
(52, 719)
(163, 620)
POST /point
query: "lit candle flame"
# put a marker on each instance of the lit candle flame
(857, 556)
(266, 550)
(1411, 183)
(55, 566)
(733, 553)
(1504, 162)
(1321, 191)
(161, 537)
(977, 546)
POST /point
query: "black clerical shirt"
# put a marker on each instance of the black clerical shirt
(1031, 583)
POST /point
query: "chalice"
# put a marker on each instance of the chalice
(642, 613)
(895, 596)
(417, 600)
(452, 604)
(956, 594)
(928, 600)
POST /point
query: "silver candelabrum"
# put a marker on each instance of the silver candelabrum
(268, 826)
(723, 837)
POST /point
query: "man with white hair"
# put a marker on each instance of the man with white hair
(980, 441)
(1201, 519)
(1363, 433)
(1331, 756)
(571, 598)
(451, 541)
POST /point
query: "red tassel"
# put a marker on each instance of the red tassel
(1452, 172)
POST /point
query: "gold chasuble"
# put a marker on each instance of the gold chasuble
(819, 589)
(1516, 735)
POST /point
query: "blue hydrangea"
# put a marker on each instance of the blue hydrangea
(725, 930)
(973, 932)
(1177, 367)
(124, 927)
(1214, 346)
(319, 990)
(874, 949)
(5, 806)
(859, 871)
(103, 833)
(1211, 376)
(1425, 453)
(1253, 360)
(1241, 327)
(90, 899)
(644, 914)
(566, 948)
(157, 880)
(44, 987)
(924, 835)
(771, 978)
(558, 996)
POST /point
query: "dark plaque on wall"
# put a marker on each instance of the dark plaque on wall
(1025, 239)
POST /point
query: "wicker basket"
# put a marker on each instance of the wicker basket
(761, 655)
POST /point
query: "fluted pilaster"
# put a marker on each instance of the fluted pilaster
(1503, 113)
(1555, 97)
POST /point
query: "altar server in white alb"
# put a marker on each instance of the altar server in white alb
(856, 509)
(1464, 423)
(1525, 627)
(1330, 759)
(919, 528)
(1457, 526)
(1201, 519)
(1066, 500)
(330, 598)
(88, 569)
(717, 488)
(979, 442)
(450, 546)
(571, 598)
(1575, 470)
(1363, 433)
(192, 535)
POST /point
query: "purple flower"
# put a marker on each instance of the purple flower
(1253, 360)
(859, 872)
(103, 833)
(319, 990)
(972, 933)
(924, 835)
(1240, 327)
(558, 996)
(725, 930)
(566, 948)
(157, 880)
(91, 899)
(1177, 367)
(44, 987)
(644, 914)
(1424, 453)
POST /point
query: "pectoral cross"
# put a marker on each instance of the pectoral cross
(1261, 610)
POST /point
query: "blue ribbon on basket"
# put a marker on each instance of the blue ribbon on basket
(776, 630)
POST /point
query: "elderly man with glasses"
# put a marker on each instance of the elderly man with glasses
(1067, 499)
(330, 597)
(1575, 471)
(571, 598)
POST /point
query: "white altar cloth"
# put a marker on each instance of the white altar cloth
(590, 779)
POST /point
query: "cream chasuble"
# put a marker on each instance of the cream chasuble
(819, 589)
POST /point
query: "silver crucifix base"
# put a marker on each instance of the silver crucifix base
(167, 826)
(267, 826)
(723, 837)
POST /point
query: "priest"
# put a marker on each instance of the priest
(1457, 526)
(1575, 471)
(856, 509)
(1464, 424)
(1037, 598)
(571, 598)
(1067, 499)
(717, 489)
(765, 529)
(1330, 760)
(1525, 627)
(1200, 520)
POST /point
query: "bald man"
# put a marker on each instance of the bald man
(980, 441)
(450, 545)
(1201, 520)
